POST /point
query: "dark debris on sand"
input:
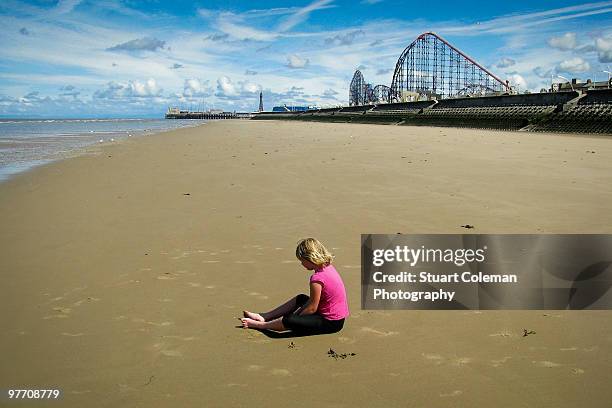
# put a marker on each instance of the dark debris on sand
(336, 356)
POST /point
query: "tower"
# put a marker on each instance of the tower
(261, 102)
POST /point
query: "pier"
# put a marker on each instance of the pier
(175, 113)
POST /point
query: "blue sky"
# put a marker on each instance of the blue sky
(114, 58)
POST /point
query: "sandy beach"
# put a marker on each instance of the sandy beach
(124, 269)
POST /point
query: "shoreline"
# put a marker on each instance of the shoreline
(12, 169)
(124, 271)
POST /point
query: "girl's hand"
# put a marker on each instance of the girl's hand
(315, 296)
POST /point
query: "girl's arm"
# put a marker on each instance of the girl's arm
(313, 303)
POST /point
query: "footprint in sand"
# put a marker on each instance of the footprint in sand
(254, 367)
(211, 261)
(577, 371)
(166, 276)
(281, 372)
(436, 358)
(183, 255)
(461, 361)
(126, 388)
(569, 349)
(346, 340)
(455, 393)
(194, 284)
(73, 334)
(497, 363)
(171, 353)
(547, 364)
(504, 333)
(378, 332)
(258, 295)
(56, 316)
(88, 299)
(189, 338)
(162, 324)
(244, 262)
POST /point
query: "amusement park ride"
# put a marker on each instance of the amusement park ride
(429, 68)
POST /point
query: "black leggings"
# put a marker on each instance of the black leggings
(310, 324)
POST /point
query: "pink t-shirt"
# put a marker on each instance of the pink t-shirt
(333, 304)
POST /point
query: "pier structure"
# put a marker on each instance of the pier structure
(175, 113)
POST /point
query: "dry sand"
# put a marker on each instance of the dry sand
(122, 290)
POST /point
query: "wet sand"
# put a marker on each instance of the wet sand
(123, 270)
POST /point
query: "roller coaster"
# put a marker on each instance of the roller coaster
(429, 68)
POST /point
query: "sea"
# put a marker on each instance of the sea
(26, 143)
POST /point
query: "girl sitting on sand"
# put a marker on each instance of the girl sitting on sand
(323, 311)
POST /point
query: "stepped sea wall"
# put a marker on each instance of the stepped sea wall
(572, 112)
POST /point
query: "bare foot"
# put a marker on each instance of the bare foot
(249, 323)
(255, 316)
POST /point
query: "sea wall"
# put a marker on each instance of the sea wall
(587, 112)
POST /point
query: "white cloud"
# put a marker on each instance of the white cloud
(240, 31)
(302, 14)
(131, 89)
(565, 42)
(344, 39)
(542, 73)
(295, 61)
(604, 49)
(519, 22)
(383, 71)
(505, 62)
(574, 65)
(226, 88)
(66, 6)
(518, 82)
(329, 94)
(195, 88)
(139, 44)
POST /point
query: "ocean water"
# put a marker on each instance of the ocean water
(26, 143)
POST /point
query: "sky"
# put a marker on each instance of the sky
(134, 59)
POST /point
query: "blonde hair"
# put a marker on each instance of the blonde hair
(310, 249)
